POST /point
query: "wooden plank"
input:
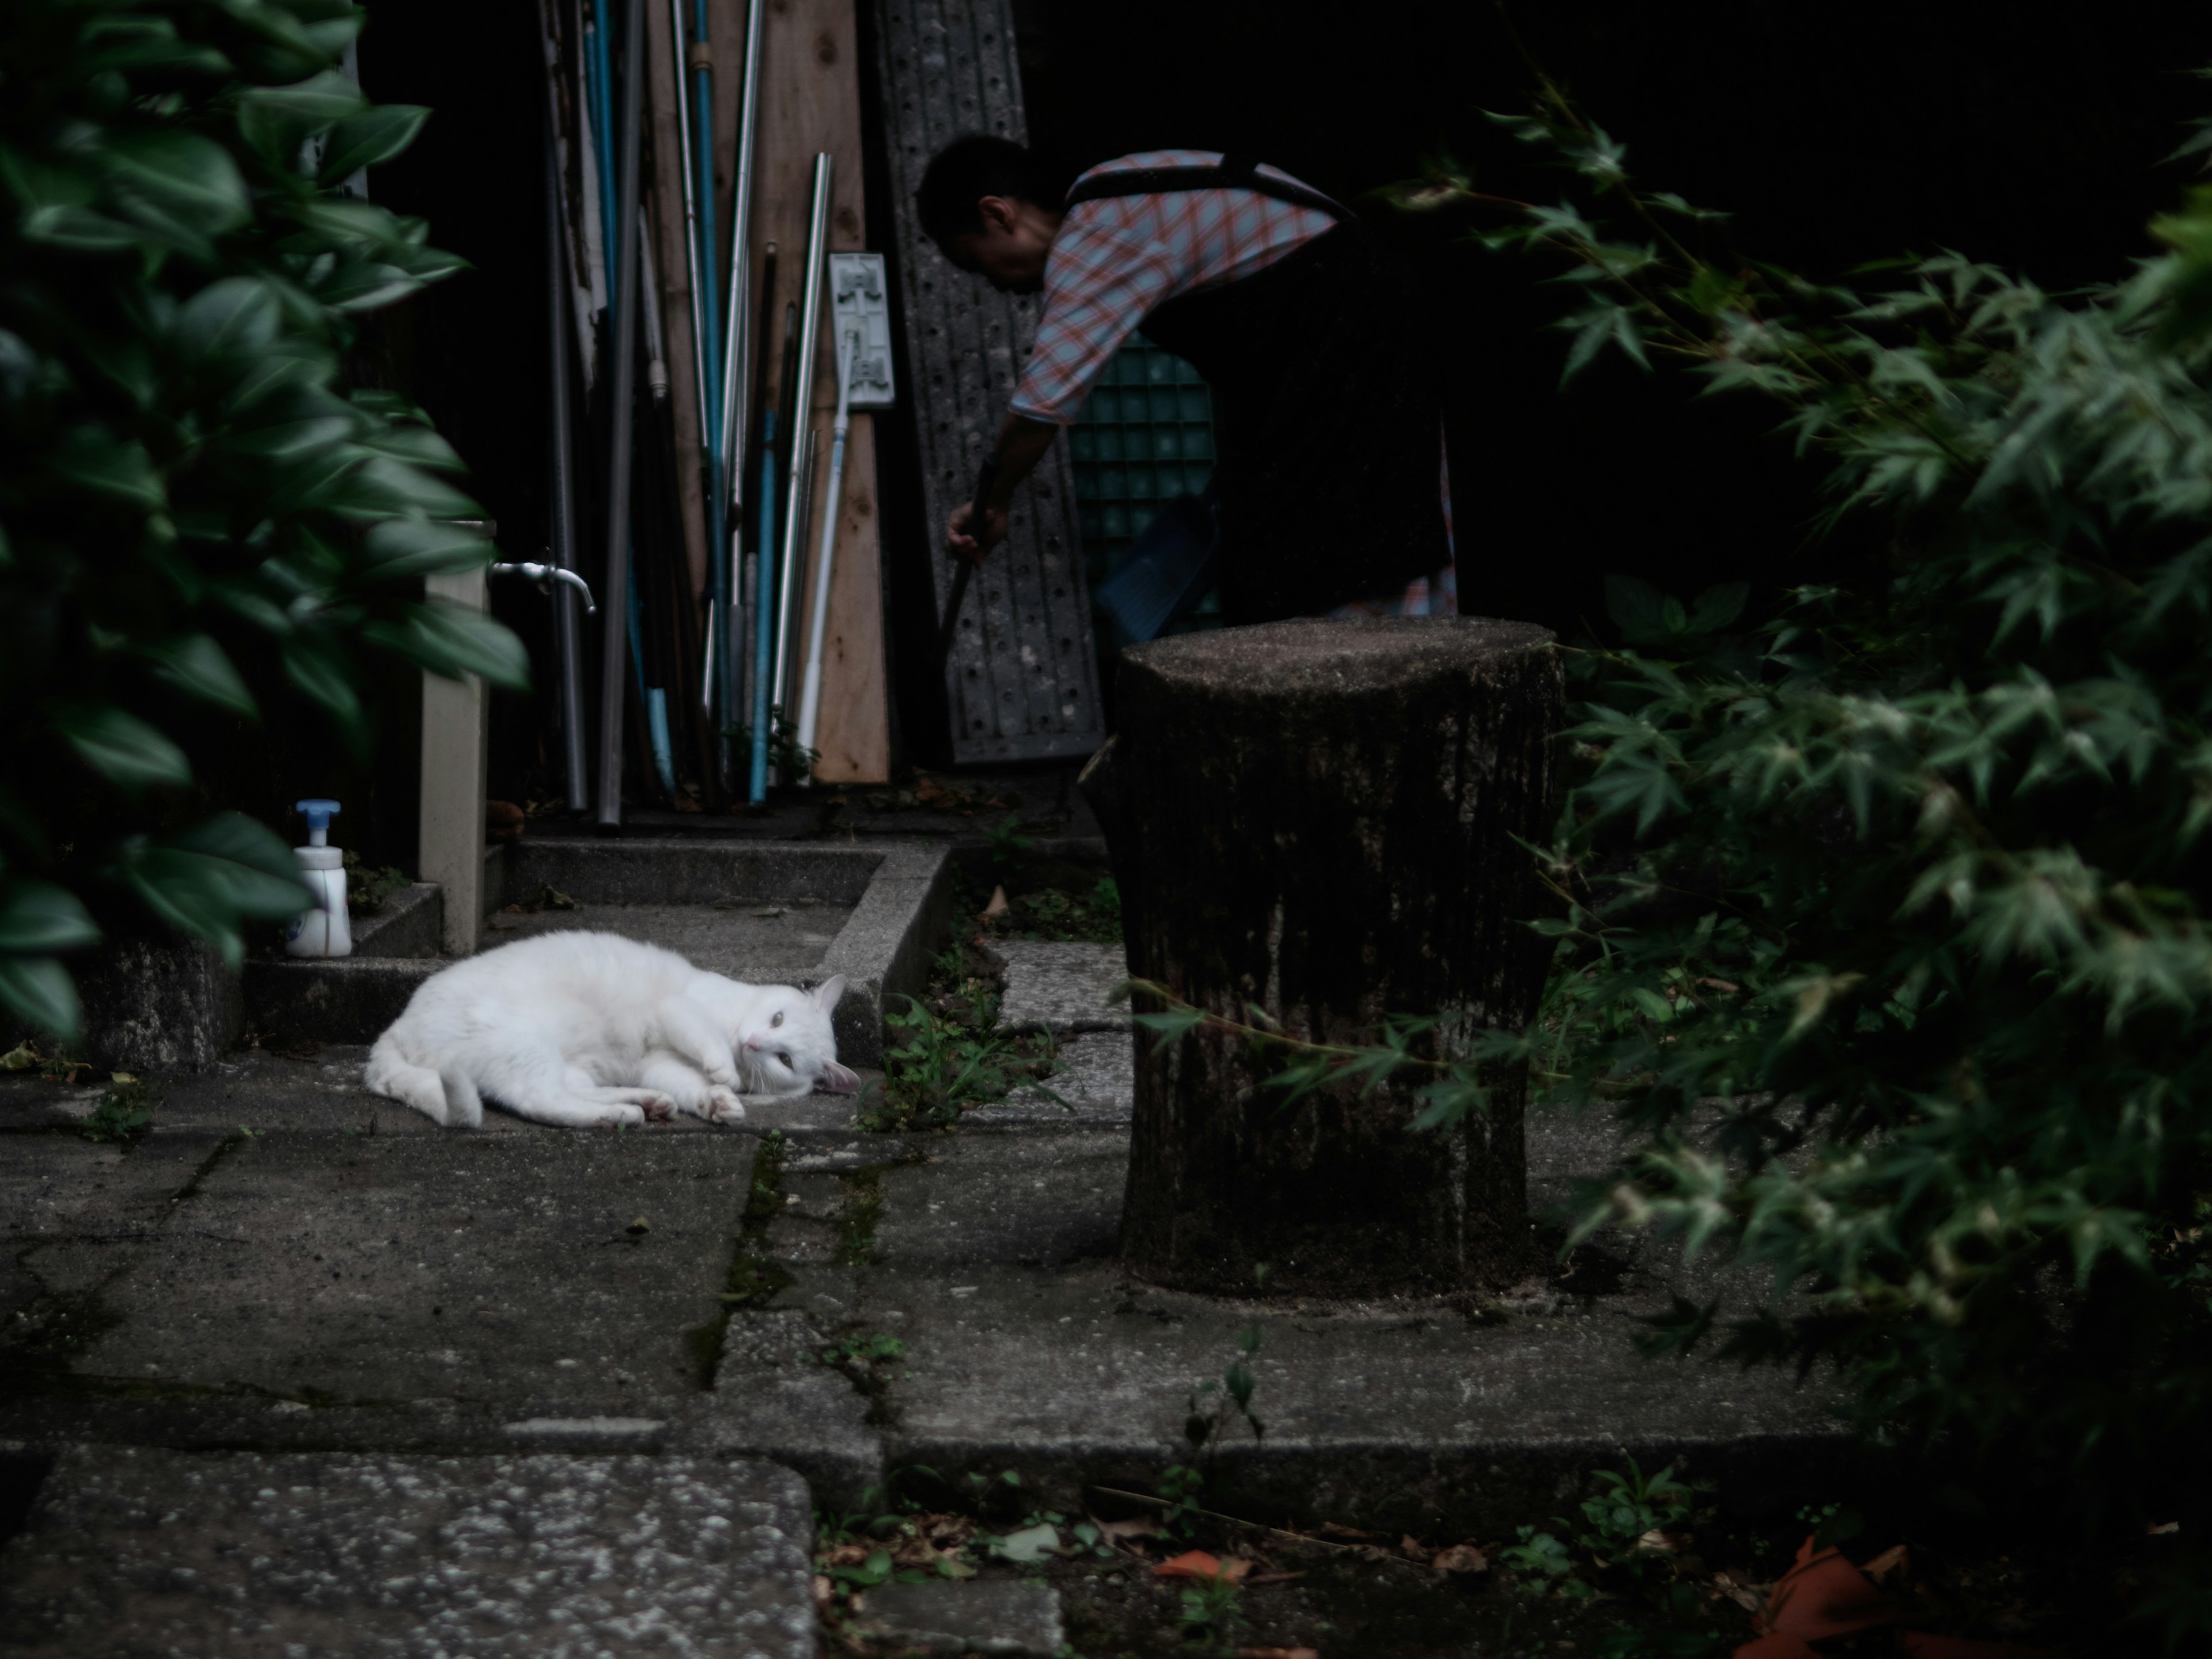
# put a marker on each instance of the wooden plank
(810, 102)
(672, 266)
(1022, 680)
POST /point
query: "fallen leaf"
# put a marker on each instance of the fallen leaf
(1410, 1547)
(1890, 1560)
(20, 1058)
(1742, 1591)
(1460, 1557)
(125, 1077)
(1273, 1577)
(639, 1227)
(1139, 1526)
(1197, 1563)
(1335, 1530)
(845, 1555)
(1824, 1595)
(2160, 1528)
(824, 1589)
(1030, 1544)
(997, 907)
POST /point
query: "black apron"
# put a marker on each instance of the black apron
(1326, 409)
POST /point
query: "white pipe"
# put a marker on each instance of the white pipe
(736, 352)
(810, 695)
(810, 333)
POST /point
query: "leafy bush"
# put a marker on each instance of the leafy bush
(191, 503)
(1888, 932)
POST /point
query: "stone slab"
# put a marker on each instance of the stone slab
(73, 1214)
(496, 1271)
(690, 870)
(770, 943)
(1036, 1199)
(350, 999)
(987, 1615)
(1415, 1414)
(1097, 1085)
(409, 922)
(136, 1552)
(1064, 988)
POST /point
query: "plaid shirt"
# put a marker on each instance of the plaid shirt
(1115, 259)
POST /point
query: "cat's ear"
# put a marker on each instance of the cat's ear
(824, 996)
(839, 1079)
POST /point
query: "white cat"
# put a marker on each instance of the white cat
(582, 1030)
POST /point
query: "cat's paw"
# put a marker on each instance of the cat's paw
(657, 1109)
(723, 1106)
(725, 1075)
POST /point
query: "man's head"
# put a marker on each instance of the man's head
(991, 208)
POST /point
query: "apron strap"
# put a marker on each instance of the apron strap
(1235, 172)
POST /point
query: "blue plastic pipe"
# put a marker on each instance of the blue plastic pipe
(764, 630)
(599, 70)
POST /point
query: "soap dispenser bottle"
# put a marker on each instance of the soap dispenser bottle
(324, 931)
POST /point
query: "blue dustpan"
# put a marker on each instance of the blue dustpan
(1170, 567)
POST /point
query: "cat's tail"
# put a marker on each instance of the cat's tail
(451, 1100)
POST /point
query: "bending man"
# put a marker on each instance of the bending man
(1326, 409)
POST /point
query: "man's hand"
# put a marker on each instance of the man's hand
(1022, 444)
(965, 545)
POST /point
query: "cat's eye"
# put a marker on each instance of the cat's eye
(776, 1020)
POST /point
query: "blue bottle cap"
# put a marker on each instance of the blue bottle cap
(320, 813)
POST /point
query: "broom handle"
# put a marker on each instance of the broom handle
(986, 480)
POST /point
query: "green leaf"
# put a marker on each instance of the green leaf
(185, 176)
(36, 917)
(313, 105)
(367, 139)
(39, 991)
(320, 670)
(234, 317)
(409, 548)
(382, 487)
(197, 665)
(78, 230)
(214, 875)
(453, 640)
(122, 747)
(120, 468)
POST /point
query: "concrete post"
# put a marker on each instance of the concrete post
(456, 759)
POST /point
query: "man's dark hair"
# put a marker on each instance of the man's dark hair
(967, 169)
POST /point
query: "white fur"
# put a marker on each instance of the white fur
(582, 1030)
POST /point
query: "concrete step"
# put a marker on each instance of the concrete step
(775, 913)
(206, 1555)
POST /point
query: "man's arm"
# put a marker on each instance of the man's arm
(1022, 445)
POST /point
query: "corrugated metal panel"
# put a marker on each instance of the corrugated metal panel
(1022, 681)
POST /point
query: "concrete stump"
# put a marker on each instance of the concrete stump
(1319, 819)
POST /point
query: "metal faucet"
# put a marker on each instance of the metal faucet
(545, 575)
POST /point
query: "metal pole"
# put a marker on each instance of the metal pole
(801, 414)
(737, 344)
(702, 314)
(567, 641)
(615, 599)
